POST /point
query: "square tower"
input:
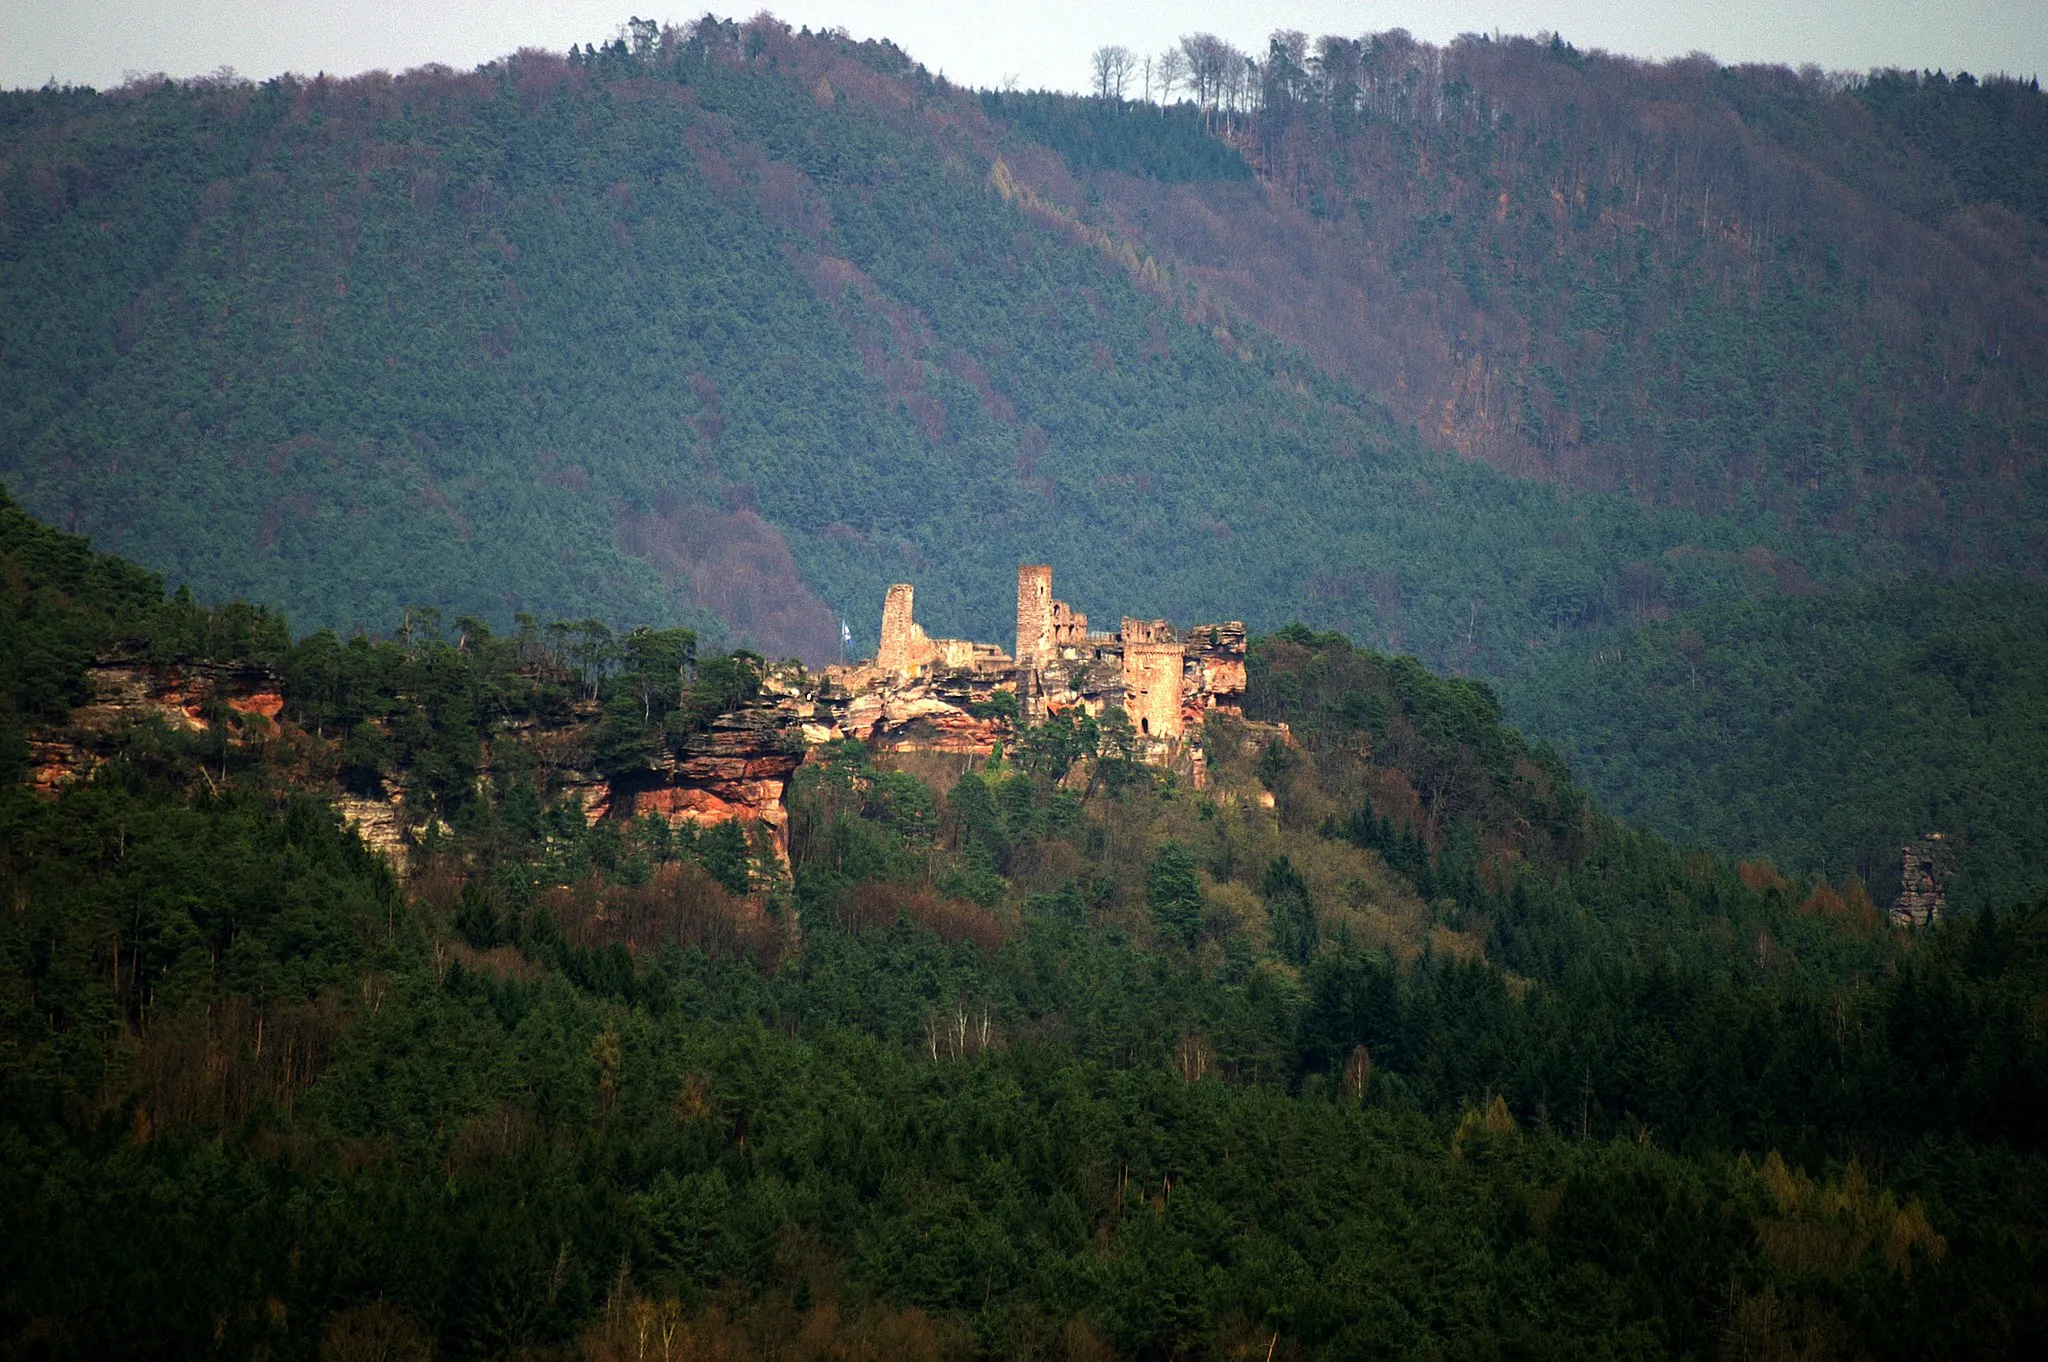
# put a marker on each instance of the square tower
(1034, 615)
(1152, 674)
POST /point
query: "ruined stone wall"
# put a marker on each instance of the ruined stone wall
(918, 694)
(1152, 688)
(990, 661)
(1069, 626)
(894, 654)
(1216, 675)
(1034, 613)
(1146, 631)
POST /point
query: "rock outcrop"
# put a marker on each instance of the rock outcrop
(740, 768)
(381, 825)
(922, 694)
(187, 697)
(1920, 901)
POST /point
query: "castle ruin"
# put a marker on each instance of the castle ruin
(922, 692)
(904, 646)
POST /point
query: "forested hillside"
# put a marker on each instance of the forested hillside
(1760, 293)
(708, 333)
(1700, 408)
(1824, 731)
(1382, 1044)
(731, 326)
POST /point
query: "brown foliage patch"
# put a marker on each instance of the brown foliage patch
(374, 1332)
(438, 885)
(1394, 799)
(489, 1137)
(880, 904)
(680, 903)
(1761, 876)
(209, 1068)
(1850, 909)
(1827, 1227)
(499, 962)
(642, 1328)
(1041, 867)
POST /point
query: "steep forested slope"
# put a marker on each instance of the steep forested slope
(1467, 352)
(538, 337)
(1824, 731)
(1381, 1045)
(1757, 293)
(62, 606)
(746, 324)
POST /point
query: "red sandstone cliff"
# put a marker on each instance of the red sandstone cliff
(739, 767)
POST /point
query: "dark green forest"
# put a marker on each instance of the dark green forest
(635, 308)
(1824, 731)
(728, 327)
(1650, 452)
(1992, 135)
(1385, 1043)
(748, 324)
(1173, 143)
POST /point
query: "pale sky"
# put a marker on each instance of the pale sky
(1039, 43)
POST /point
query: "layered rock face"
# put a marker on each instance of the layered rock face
(190, 698)
(1920, 899)
(739, 769)
(930, 711)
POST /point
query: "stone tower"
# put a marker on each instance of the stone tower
(1152, 684)
(1034, 615)
(898, 653)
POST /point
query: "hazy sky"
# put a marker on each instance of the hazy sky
(1038, 42)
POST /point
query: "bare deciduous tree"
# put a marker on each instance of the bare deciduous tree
(1169, 71)
(1219, 75)
(1112, 67)
(1205, 53)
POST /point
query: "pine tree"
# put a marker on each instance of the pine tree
(1175, 895)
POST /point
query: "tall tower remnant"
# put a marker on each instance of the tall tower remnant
(1034, 615)
(904, 646)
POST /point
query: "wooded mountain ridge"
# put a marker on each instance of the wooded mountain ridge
(749, 322)
(1383, 1042)
(1500, 353)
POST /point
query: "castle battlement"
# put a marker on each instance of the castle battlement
(922, 692)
